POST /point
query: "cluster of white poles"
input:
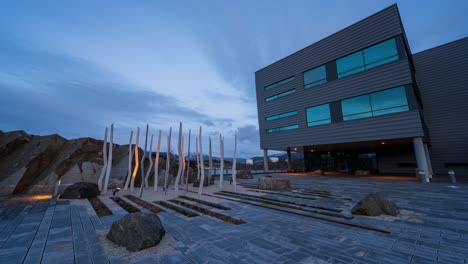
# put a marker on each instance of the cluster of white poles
(130, 181)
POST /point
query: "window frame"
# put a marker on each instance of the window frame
(281, 129)
(317, 82)
(329, 119)
(282, 115)
(280, 95)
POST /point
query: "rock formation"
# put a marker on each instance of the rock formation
(32, 164)
(81, 190)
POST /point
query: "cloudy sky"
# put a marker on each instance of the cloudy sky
(74, 67)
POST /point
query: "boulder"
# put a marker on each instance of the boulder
(81, 190)
(244, 174)
(274, 184)
(137, 231)
(375, 204)
(362, 173)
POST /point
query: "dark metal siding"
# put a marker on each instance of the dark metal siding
(374, 29)
(442, 76)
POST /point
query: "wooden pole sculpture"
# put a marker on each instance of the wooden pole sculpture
(202, 179)
(156, 163)
(149, 168)
(198, 158)
(143, 159)
(168, 160)
(135, 169)
(181, 154)
(221, 160)
(183, 157)
(104, 160)
(210, 160)
(130, 158)
(109, 162)
(234, 171)
(188, 161)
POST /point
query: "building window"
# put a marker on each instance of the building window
(368, 58)
(318, 115)
(271, 86)
(285, 128)
(315, 77)
(293, 113)
(274, 97)
(375, 104)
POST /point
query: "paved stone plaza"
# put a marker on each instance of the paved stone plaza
(436, 231)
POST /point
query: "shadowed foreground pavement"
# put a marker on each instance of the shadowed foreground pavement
(49, 231)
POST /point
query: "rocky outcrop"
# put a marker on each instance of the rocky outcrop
(274, 184)
(137, 231)
(81, 190)
(375, 204)
(32, 164)
(244, 174)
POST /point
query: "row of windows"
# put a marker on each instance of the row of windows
(278, 129)
(293, 113)
(374, 104)
(365, 59)
(274, 97)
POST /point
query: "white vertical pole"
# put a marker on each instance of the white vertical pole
(137, 162)
(179, 172)
(104, 160)
(188, 162)
(234, 171)
(130, 158)
(151, 163)
(142, 171)
(168, 159)
(156, 163)
(265, 161)
(221, 165)
(202, 179)
(210, 160)
(198, 158)
(421, 157)
(109, 162)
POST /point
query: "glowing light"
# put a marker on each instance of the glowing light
(383, 143)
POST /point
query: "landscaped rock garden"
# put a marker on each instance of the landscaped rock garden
(137, 231)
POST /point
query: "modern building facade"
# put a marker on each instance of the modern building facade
(360, 100)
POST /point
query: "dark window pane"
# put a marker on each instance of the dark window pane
(380, 51)
(315, 77)
(318, 115)
(356, 105)
(350, 62)
(389, 98)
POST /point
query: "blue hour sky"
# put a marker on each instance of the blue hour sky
(74, 67)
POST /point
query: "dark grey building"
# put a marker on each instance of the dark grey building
(359, 99)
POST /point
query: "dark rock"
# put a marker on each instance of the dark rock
(275, 184)
(137, 231)
(81, 190)
(244, 174)
(375, 204)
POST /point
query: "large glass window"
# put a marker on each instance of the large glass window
(368, 58)
(315, 77)
(274, 97)
(318, 115)
(285, 128)
(379, 103)
(293, 113)
(271, 86)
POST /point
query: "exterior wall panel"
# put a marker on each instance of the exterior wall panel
(442, 78)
